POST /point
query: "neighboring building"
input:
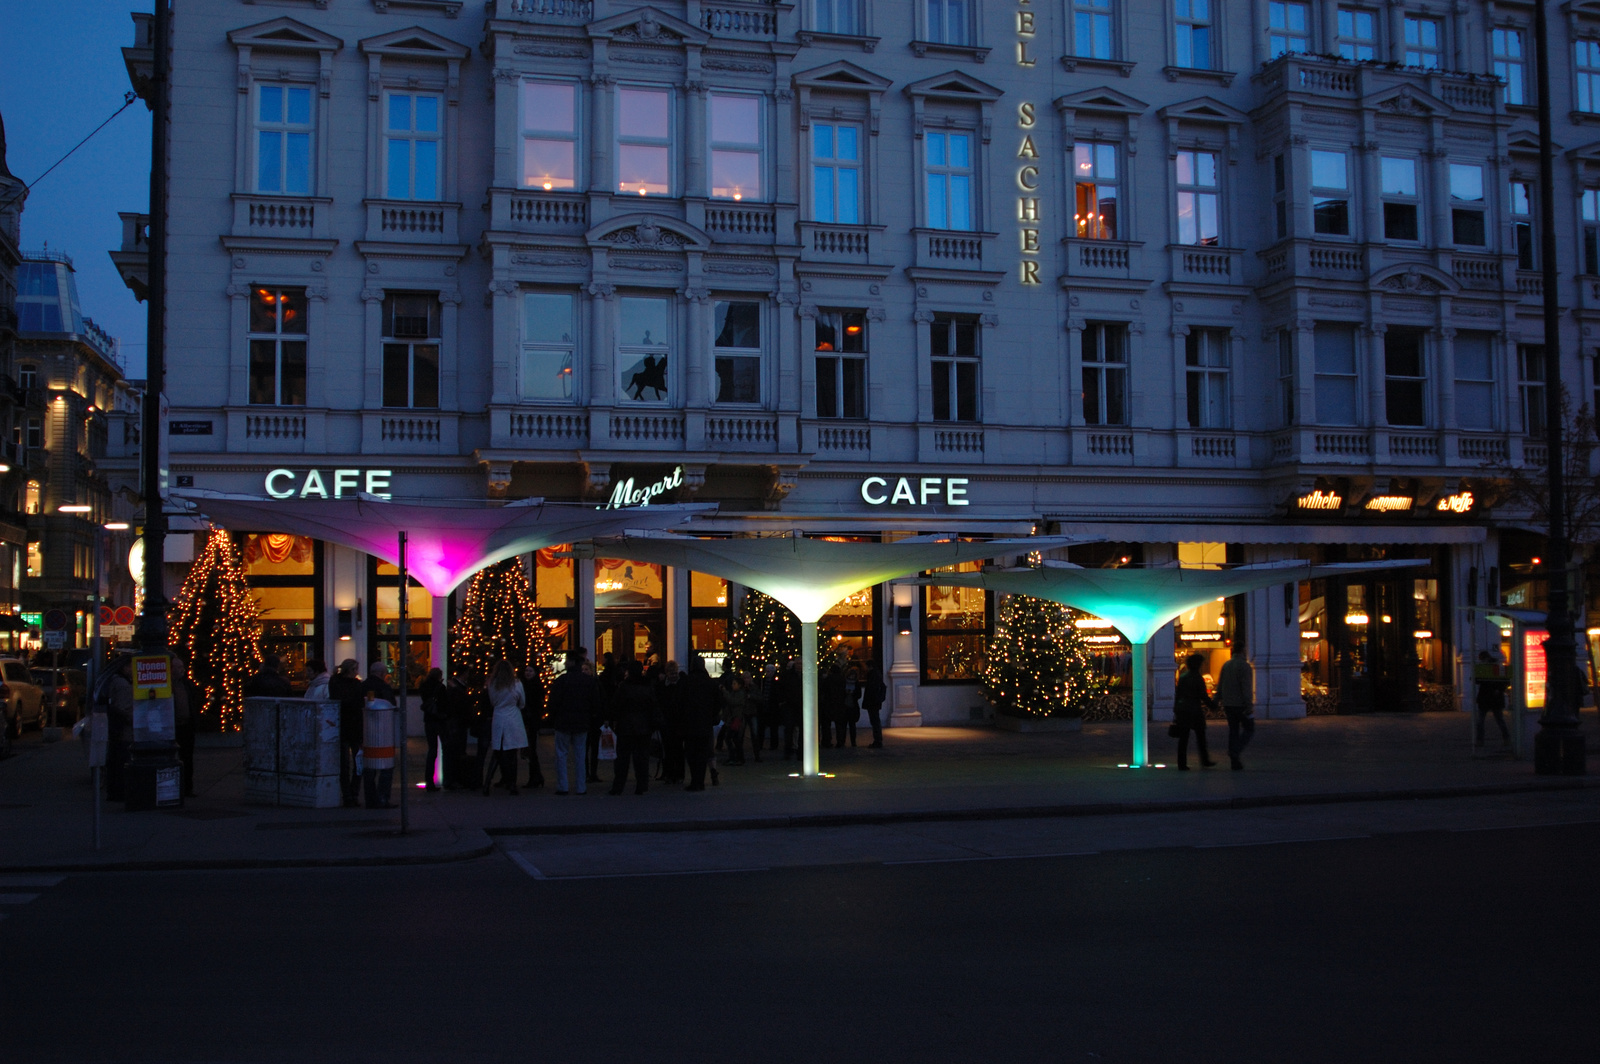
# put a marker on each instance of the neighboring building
(1238, 282)
(17, 407)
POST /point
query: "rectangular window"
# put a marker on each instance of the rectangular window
(1474, 357)
(1466, 205)
(1197, 198)
(842, 364)
(956, 629)
(1192, 33)
(949, 21)
(28, 375)
(643, 347)
(1288, 28)
(277, 341)
(1589, 209)
(1105, 373)
(955, 368)
(1091, 29)
(836, 173)
(836, 16)
(1509, 64)
(283, 139)
(1530, 387)
(949, 176)
(1522, 224)
(1094, 174)
(737, 347)
(1401, 206)
(1205, 353)
(1330, 193)
(1405, 385)
(412, 155)
(1280, 197)
(736, 165)
(1587, 71)
(35, 438)
(549, 341)
(411, 350)
(644, 141)
(1358, 34)
(1335, 358)
(1423, 42)
(1286, 377)
(550, 135)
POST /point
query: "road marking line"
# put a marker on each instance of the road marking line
(1274, 842)
(1520, 827)
(17, 899)
(31, 881)
(526, 865)
(996, 857)
(643, 875)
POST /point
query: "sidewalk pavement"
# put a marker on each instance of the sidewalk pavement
(922, 774)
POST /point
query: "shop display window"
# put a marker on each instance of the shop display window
(285, 575)
(957, 623)
(383, 583)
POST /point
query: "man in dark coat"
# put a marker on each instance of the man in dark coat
(1189, 711)
(830, 706)
(873, 692)
(790, 695)
(634, 716)
(702, 708)
(269, 681)
(574, 704)
(532, 720)
(346, 687)
(377, 683)
(669, 694)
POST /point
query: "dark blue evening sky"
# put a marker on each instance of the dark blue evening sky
(61, 74)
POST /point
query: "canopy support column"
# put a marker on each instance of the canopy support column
(1141, 706)
(808, 698)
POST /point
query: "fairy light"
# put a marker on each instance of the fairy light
(1040, 662)
(216, 624)
(501, 620)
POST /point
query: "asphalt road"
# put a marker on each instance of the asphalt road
(1467, 938)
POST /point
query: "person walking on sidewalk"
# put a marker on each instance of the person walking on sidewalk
(574, 703)
(873, 692)
(433, 722)
(1189, 712)
(634, 715)
(533, 696)
(1236, 686)
(702, 709)
(507, 736)
(1491, 699)
(669, 695)
(345, 687)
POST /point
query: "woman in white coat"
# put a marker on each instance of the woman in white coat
(507, 736)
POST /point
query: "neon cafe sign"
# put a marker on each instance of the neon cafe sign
(338, 484)
(875, 491)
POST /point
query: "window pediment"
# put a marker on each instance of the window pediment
(284, 35)
(1104, 100)
(1526, 142)
(1588, 154)
(415, 43)
(1409, 100)
(648, 26)
(648, 232)
(954, 85)
(1202, 109)
(842, 76)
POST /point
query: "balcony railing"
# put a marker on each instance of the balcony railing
(411, 222)
(1207, 265)
(742, 224)
(292, 217)
(753, 432)
(538, 211)
(951, 249)
(1298, 73)
(823, 242)
(757, 21)
(1109, 259)
(571, 12)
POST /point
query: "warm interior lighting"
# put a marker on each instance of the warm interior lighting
(1386, 618)
(548, 186)
(73, 508)
(1091, 622)
(1310, 635)
(1355, 618)
(115, 526)
(1422, 633)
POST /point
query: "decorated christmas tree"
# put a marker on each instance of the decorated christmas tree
(214, 625)
(500, 620)
(1039, 664)
(765, 633)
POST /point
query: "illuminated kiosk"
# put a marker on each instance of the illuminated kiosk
(1140, 601)
(810, 575)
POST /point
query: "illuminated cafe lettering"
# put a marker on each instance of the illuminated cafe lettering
(1320, 500)
(875, 491)
(280, 483)
(1388, 504)
(625, 495)
(1459, 503)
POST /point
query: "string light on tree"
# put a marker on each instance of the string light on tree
(215, 626)
(1039, 663)
(501, 620)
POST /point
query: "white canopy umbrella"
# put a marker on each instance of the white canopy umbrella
(1140, 601)
(810, 575)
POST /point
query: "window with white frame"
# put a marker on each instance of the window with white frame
(736, 142)
(1474, 358)
(412, 149)
(1095, 185)
(1467, 205)
(1530, 388)
(644, 348)
(1104, 351)
(949, 21)
(836, 172)
(1510, 66)
(1198, 192)
(1280, 196)
(1330, 193)
(549, 344)
(1401, 204)
(736, 350)
(1288, 28)
(1092, 29)
(277, 342)
(835, 16)
(1589, 211)
(284, 127)
(1335, 384)
(1424, 42)
(842, 364)
(550, 135)
(948, 170)
(1191, 26)
(28, 375)
(1522, 224)
(411, 350)
(644, 141)
(1206, 359)
(1285, 377)
(1405, 380)
(1587, 71)
(954, 341)
(1357, 33)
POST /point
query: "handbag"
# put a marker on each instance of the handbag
(608, 744)
(1175, 730)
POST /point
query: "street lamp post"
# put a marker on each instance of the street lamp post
(1558, 749)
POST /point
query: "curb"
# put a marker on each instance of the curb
(1184, 805)
(223, 864)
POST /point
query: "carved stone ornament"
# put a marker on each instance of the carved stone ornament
(372, 295)
(1411, 281)
(647, 234)
(648, 28)
(1403, 103)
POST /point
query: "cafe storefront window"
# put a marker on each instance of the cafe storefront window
(383, 592)
(285, 575)
(555, 592)
(708, 619)
(957, 623)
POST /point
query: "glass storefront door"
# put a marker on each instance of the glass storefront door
(630, 616)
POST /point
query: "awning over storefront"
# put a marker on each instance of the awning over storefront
(446, 540)
(1376, 533)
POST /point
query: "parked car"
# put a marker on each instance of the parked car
(66, 689)
(21, 699)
